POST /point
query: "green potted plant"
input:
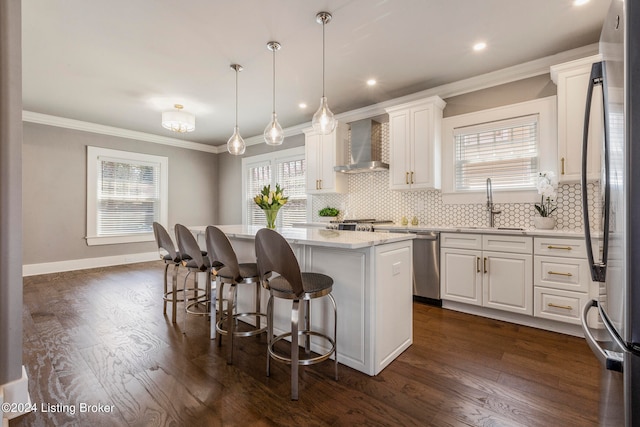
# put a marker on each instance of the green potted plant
(328, 214)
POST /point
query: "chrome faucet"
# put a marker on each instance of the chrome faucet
(492, 213)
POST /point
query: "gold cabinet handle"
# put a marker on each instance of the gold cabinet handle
(406, 178)
(566, 248)
(560, 274)
(485, 265)
(477, 264)
(562, 166)
(564, 307)
(412, 177)
(320, 184)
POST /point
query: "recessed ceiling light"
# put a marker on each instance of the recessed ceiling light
(302, 105)
(479, 46)
(580, 2)
(371, 82)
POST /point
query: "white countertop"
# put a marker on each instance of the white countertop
(482, 230)
(315, 236)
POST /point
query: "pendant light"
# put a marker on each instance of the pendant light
(323, 120)
(235, 144)
(178, 120)
(273, 133)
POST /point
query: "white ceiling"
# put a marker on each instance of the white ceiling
(121, 63)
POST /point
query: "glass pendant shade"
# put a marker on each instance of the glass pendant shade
(273, 133)
(323, 120)
(235, 144)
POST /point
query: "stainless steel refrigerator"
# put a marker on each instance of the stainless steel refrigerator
(615, 259)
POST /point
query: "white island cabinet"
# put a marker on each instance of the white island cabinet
(372, 275)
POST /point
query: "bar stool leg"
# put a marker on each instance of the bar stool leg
(258, 291)
(307, 326)
(220, 313)
(166, 270)
(269, 331)
(295, 357)
(230, 321)
(174, 299)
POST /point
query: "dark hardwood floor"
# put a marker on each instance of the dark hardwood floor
(99, 337)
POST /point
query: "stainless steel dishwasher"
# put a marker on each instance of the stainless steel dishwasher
(426, 267)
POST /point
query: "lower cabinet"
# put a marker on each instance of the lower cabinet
(562, 280)
(494, 271)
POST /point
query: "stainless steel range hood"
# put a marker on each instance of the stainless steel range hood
(366, 151)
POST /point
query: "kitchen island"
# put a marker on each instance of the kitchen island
(372, 275)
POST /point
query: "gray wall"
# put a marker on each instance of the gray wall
(54, 193)
(509, 93)
(230, 178)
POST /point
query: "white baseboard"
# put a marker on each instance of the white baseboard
(85, 263)
(17, 393)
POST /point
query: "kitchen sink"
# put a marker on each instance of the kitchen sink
(491, 228)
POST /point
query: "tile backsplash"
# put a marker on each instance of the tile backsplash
(369, 196)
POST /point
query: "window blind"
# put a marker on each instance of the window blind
(128, 197)
(505, 151)
(289, 172)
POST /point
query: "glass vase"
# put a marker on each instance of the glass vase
(272, 215)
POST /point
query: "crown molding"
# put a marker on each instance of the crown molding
(45, 119)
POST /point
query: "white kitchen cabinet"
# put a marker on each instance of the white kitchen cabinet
(322, 153)
(494, 271)
(562, 280)
(414, 144)
(572, 79)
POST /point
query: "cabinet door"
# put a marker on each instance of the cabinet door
(312, 149)
(508, 282)
(422, 162)
(461, 276)
(327, 154)
(399, 136)
(572, 93)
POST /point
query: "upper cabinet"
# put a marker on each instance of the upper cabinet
(322, 153)
(414, 144)
(572, 79)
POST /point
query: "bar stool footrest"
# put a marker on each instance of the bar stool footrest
(302, 361)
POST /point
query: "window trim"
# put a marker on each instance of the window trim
(93, 158)
(272, 159)
(545, 108)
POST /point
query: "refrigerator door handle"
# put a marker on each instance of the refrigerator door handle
(598, 269)
(612, 360)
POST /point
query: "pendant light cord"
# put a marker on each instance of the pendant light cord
(236, 97)
(274, 81)
(323, 66)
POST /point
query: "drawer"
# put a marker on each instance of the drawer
(461, 241)
(556, 304)
(560, 247)
(568, 274)
(511, 244)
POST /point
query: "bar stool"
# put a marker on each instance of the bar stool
(232, 273)
(274, 255)
(170, 257)
(195, 261)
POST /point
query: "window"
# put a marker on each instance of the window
(506, 151)
(126, 193)
(285, 167)
(508, 144)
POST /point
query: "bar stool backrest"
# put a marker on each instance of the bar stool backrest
(188, 245)
(219, 250)
(164, 242)
(274, 254)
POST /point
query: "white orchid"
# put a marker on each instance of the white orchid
(547, 185)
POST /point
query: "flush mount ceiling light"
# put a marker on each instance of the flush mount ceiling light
(273, 133)
(479, 46)
(235, 144)
(178, 120)
(323, 120)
